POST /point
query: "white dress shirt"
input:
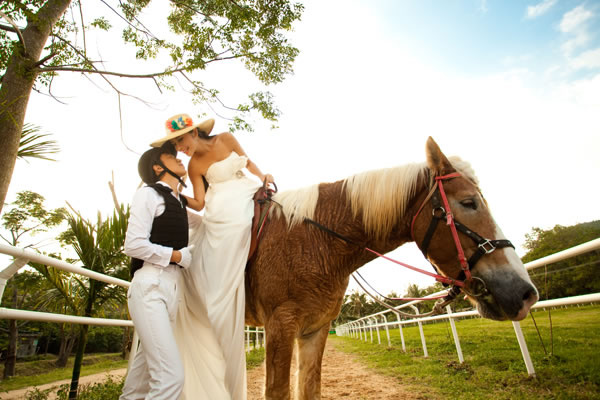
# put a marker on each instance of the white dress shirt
(148, 204)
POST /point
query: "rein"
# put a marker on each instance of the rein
(472, 286)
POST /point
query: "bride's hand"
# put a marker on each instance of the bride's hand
(268, 179)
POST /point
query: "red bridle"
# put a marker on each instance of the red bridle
(449, 221)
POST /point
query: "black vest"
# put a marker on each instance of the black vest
(170, 229)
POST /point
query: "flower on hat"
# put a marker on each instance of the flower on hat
(179, 122)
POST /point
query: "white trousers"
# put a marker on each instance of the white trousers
(157, 370)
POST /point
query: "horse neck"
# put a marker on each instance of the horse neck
(334, 211)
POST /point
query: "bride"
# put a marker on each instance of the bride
(210, 322)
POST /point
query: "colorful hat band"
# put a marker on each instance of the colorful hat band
(179, 123)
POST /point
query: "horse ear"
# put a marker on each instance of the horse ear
(436, 160)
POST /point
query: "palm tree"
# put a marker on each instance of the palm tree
(60, 297)
(100, 248)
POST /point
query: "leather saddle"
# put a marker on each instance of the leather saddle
(262, 205)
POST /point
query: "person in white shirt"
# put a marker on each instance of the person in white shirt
(157, 241)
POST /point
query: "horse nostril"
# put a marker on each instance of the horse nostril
(530, 296)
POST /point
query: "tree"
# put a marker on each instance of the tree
(99, 246)
(23, 292)
(571, 277)
(28, 216)
(53, 41)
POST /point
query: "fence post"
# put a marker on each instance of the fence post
(421, 331)
(401, 332)
(377, 330)
(9, 271)
(247, 339)
(387, 331)
(359, 323)
(524, 350)
(455, 334)
(370, 328)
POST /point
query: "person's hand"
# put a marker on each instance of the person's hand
(269, 179)
(186, 257)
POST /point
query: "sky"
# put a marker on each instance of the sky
(513, 87)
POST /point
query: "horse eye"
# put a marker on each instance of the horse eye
(469, 204)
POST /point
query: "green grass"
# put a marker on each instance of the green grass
(42, 371)
(493, 367)
(254, 358)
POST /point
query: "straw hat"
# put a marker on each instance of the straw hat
(179, 124)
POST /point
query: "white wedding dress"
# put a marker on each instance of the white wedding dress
(210, 322)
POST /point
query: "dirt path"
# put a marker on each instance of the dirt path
(344, 377)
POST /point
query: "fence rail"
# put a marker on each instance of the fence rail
(360, 327)
(23, 256)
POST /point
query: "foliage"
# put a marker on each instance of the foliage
(42, 371)
(541, 243)
(110, 389)
(28, 216)
(104, 339)
(100, 248)
(34, 144)
(572, 277)
(205, 32)
(493, 367)
(255, 357)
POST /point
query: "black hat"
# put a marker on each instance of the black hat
(151, 158)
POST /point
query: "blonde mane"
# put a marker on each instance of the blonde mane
(380, 196)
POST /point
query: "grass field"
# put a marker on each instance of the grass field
(494, 367)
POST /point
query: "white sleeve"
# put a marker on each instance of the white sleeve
(137, 240)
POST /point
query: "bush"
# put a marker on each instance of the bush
(110, 389)
(104, 339)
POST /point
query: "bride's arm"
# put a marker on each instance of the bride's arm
(251, 166)
(196, 202)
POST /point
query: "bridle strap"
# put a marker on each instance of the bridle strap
(440, 212)
(450, 222)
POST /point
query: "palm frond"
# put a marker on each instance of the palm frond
(34, 145)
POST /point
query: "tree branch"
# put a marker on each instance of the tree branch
(16, 30)
(147, 33)
(82, 28)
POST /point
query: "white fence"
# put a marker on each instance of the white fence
(23, 256)
(363, 327)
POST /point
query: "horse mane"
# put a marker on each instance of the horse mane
(380, 196)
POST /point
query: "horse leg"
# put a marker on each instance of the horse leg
(280, 333)
(310, 356)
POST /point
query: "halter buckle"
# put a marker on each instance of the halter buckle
(487, 246)
(441, 209)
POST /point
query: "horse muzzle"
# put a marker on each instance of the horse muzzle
(500, 299)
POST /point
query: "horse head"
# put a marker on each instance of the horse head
(493, 277)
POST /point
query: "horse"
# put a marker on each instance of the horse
(296, 281)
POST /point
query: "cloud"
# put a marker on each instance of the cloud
(540, 8)
(588, 59)
(580, 40)
(572, 21)
(483, 6)
(573, 24)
